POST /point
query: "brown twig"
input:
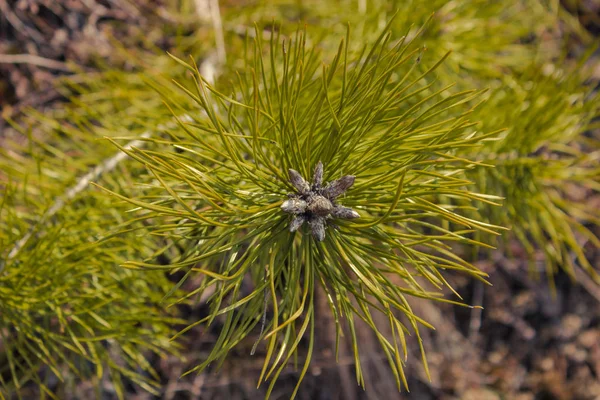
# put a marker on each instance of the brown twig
(12, 18)
(589, 285)
(32, 59)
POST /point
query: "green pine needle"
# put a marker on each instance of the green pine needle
(220, 179)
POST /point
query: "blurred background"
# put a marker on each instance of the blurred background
(538, 337)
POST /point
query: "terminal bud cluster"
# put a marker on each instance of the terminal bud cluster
(316, 203)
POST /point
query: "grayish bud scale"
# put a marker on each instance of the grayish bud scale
(294, 206)
(298, 181)
(318, 176)
(316, 204)
(317, 228)
(297, 222)
(344, 212)
(338, 187)
(319, 205)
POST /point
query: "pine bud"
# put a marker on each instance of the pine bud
(338, 187)
(344, 212)
(294, 206)
(298, 181)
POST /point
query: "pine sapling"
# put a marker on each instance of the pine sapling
(308, 176)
